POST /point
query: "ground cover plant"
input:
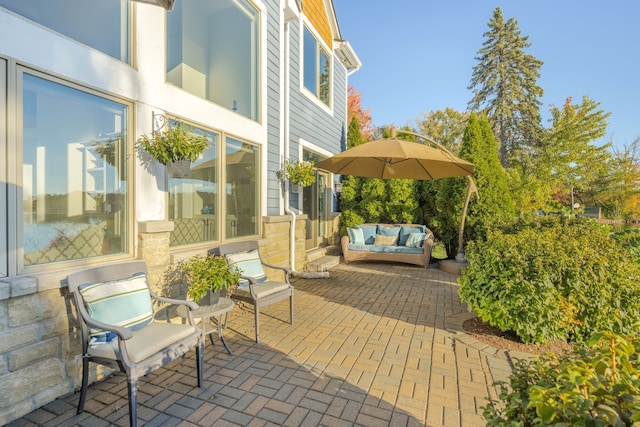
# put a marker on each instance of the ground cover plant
(553, 278)
(595, 385)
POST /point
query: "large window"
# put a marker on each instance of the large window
(241, 188)
(317, 68)
(212, 52)
(199, 207)
(102, 25)
(74, 180)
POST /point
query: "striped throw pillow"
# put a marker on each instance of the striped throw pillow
(249, 264)
(356, 236)
(125, 303)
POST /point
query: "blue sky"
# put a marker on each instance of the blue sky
(418, 55)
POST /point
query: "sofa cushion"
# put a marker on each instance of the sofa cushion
(356, 236)
(385, 240)
(416, 240)
(384, 230)
(369, 233)
(405, 231)
(395, 249)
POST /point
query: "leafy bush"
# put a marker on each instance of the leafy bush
(595, 385)
(552, 278)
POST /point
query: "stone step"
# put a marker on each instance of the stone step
(317, 253)
(322, 264)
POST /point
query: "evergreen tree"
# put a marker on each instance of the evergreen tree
(504, 84)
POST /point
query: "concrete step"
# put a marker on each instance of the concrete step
(322, 264)
(317, 253)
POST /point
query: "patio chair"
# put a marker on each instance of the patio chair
(116, 315)
(254, 286)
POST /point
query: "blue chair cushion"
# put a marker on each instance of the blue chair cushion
(248, 264)
(125, 303)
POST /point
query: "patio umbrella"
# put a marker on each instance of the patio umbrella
(392, 158)
(395, 158)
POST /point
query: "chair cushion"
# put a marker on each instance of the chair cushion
(125, 303)
(384, 230)
(146, 342)
(369, 233)
(263, 289)
(249, 264)
(416, 240)
(356, 236)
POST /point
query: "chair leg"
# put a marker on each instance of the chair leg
(85, 382)
(132, 385)
(257, 310)
(200, 362)
(291, 308)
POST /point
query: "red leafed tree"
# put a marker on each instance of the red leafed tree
(354, 109)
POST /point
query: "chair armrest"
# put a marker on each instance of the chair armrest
(192, 305)
(287, 271)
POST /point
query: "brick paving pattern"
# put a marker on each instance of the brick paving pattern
(373, 345)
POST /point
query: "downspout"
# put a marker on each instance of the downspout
(285, 124)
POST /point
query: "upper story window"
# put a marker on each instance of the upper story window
(102, 25)
(212, 52)
(317, 68)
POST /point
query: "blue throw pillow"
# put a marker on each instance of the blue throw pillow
(249, 265)
(384, 230)
(369, 233)
(416, 240)
(405, 231)
(356, 236)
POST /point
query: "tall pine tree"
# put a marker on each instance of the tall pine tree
(504, 84)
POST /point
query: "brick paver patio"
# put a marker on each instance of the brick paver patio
(373, 345)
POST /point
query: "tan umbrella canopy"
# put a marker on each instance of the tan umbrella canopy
(396, 158)
(391, 158)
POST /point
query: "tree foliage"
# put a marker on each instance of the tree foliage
(504, 84)
(444, 126)
(354, 109)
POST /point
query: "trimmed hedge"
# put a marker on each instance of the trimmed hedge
(553, 278)
(596, 385)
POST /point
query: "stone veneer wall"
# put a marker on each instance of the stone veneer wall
(39, 334)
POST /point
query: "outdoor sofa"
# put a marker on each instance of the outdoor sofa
(406, 243)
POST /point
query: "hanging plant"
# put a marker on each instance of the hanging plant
(298, 172)
(175, 143)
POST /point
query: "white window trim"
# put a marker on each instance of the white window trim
(304, 23)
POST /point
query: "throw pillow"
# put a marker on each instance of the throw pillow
(124, 303)
(385, 240)
(369, 233)
(384, 230)
(405, 231)
(356, 236)
(416, 240)
(249, 264)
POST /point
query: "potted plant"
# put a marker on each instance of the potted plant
(207, 276)
(176, 147)
(299, 173)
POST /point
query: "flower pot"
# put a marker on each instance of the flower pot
(296, 188)
(179, 168)
(211, 298)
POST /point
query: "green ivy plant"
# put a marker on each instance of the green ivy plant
(207, 273)
(595, 385)
(176, 142)
(298, 172)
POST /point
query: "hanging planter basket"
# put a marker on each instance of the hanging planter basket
(296, 188)
(179, 168)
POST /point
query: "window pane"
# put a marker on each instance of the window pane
(74, 185)
(310, 59)
(212, 52)
(193, 201)
(241, 188)
(100, 24)
(325, 81)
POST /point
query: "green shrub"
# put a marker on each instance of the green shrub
(595, 385)
(552, 278)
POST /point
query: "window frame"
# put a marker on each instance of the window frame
(321, 47)
(15, 245)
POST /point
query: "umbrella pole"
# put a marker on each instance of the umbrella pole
(471, 188)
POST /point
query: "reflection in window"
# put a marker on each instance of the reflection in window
(317, 67)
(212, 52)
(102, 25)
(193, 201)
(241, 188)
(74, 174)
